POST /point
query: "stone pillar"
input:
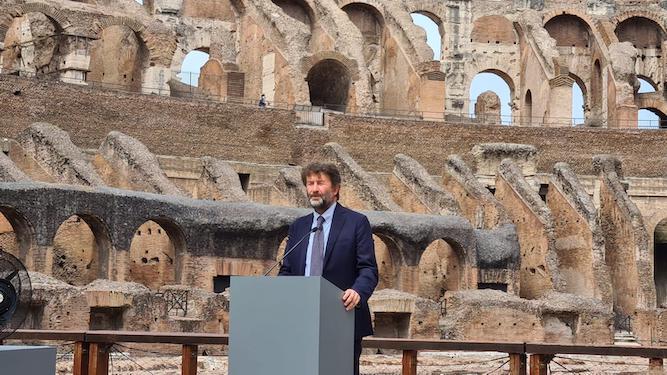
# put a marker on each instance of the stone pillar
(155, 80)
(119, 265)
(560, 101)
(627, 116)
(432, 96)
(487, 108)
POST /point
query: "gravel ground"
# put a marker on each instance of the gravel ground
(125, 361)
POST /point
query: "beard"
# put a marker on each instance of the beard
(319, 201)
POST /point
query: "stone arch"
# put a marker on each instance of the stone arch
(118, 57)
(548, 16)
(131, 23)
(580, 82)
(388, 261)
(156, 253)
(527, 109)
(473, 88)
(493, 29)
(307, 63)
(31, 50)
(641, 31)
(654, 104)
(569, 30)
(596, 87)
(584, 95)
(81, 248)
(329, 84)
(653, 16)
(660, 262)
(433, 17)
(160, 46)
(368, 19)
(661, 114)
(441, 29)
(55, 15)
(191, 77)
(649, 81)
(299, 10)
(505, 77)
(441, 269)
(19, 241)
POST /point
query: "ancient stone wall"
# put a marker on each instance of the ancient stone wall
(86, 68)
(269, 137)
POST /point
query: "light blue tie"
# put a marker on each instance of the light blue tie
(317, 254)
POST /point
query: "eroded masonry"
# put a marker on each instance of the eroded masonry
(134, 197)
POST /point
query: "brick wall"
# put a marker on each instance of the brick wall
(184, 127)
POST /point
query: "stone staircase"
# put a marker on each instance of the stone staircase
(625, 338)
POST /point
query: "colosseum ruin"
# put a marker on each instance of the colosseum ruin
(133, 197)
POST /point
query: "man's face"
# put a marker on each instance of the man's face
(321, 193)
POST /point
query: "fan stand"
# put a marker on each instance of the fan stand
(15, 301)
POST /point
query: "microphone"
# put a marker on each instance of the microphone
(313, 230)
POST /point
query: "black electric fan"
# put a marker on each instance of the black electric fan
(15, 294)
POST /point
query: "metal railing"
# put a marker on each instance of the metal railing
(316, 114)
(92, 349)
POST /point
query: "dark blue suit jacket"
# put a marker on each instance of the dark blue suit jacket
(349, 259)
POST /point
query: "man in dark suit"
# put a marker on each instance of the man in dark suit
(341, 251)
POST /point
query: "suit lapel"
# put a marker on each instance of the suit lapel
(303, 247)
(336, 227)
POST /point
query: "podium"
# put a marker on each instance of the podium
(28, 360)
(289, 325)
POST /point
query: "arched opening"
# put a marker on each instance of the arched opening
(646, 85)
(118, 58)
(15, 234)
(329, 84)
(191, 67)
(154, 254)
(80, 251)
(493, 30)
(384, 247)
(660, 263)
(499, 83)
(368, 20)
(641, 32)
(31, 45)
(578, 101)
(435, 32)
(527, 116)
(8, 241)
(297, 9)
(569, 31)
(651, 118)
(440, 270)
(596, 87)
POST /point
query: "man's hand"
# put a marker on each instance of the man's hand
(351, 299)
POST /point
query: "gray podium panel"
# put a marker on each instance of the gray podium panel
(289, 325)
(27, 360)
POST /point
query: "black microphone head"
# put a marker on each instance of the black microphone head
(315, 229)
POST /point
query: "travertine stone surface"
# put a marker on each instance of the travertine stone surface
(219, 182)
(9, 172)
(54, 151)
(416, 179)
(127, 163)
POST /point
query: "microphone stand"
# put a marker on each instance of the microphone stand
(313, 230)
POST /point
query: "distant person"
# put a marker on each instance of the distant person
(341, 250)
(262, 101)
